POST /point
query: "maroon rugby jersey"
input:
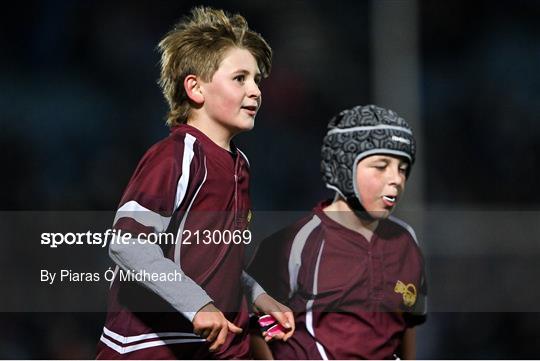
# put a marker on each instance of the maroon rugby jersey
(183, 183)
(353, 298)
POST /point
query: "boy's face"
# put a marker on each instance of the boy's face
(380, 180)
(232, 97)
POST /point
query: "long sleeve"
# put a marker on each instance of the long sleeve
(155, 191)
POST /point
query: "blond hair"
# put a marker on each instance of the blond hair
(196, 45)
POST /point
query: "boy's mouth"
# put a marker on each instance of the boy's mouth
(390, 200)
(251, 109)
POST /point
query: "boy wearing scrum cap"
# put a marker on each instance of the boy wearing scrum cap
(352, 273)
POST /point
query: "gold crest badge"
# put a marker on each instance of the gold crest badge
(408, 291)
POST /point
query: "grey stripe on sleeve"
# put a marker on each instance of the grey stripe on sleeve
(186, 295)
(251, 287)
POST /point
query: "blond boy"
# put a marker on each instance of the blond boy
(194, 185)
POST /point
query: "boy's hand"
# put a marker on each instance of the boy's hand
(211, 324)
(283, 315)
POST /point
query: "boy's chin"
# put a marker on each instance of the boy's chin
(245, 126)
(380, 215)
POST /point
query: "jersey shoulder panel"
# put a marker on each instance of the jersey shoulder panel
(271, 265)
(405, 227)
(161, 180)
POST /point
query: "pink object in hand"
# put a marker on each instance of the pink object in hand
(274, 330)
(266, 320)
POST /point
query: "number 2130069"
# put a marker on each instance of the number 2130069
(216, 236)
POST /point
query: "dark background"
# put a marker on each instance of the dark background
(79, 106)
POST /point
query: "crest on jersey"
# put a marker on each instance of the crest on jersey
(408, 291)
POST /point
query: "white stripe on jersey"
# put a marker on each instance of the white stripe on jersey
(246, 158)
(144, 336)
(153, 340)
(182, 186)
(309, 305)
(177, 246)
(142, 215)
(295, 257)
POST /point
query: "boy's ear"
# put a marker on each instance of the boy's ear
(192, 86)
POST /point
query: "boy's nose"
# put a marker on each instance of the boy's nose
(395, 176)
(254, 91)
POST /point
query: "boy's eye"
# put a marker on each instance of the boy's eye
(241, 78)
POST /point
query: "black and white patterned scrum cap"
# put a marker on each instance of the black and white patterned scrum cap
(357, 133)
